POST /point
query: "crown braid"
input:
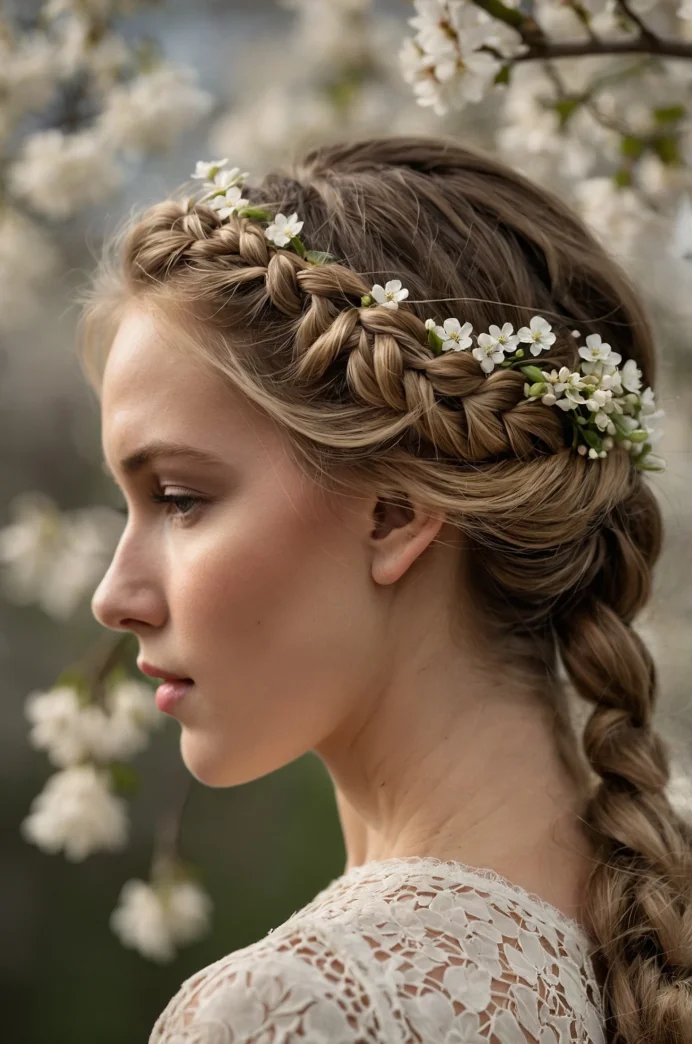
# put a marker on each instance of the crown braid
(561, 552)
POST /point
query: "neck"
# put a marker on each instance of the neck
(430, 769)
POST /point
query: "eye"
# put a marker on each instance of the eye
(185, 503)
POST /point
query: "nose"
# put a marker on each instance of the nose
(129, 598)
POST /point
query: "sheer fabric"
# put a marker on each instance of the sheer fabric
(411, 949)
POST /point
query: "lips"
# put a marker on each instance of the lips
(158, 672)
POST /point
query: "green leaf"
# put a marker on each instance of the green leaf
(532, 373)
(632, 147)
(565, 107)
(623, 178)
(592, 438)
(669, 113)
(320, 257)
(256, 212)
(504, 74)
(126, 779)
(667, 149)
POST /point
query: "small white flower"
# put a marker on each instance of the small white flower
(558, 379)
(225, 179)
(54, 717)
(573, 396)
(598, 399)
(152, 920)
(77, 811)
(538, 334)
(631, 376)
(575, 333)
(596, 350)
(283, 229)
(454, 336)
(488, 352)
(390, 294)
(503, 338)
(229, 203)
(208, 170)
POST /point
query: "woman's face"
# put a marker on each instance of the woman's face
(257, 585)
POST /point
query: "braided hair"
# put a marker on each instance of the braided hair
(563, 546)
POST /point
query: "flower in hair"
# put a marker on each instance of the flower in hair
(538, 334)
(283, 229)
(207, 170)
(388, 295)
(228, 202)
(596, 350)
(454, 336)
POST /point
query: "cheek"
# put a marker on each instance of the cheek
(278, 613)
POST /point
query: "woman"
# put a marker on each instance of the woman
(393, 524)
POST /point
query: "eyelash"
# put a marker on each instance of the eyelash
(178, 499)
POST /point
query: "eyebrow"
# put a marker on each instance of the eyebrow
(157, 448)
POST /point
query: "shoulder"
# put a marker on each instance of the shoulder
(399, 952)
(287, 986)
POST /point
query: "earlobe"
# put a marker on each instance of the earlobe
(400, 534)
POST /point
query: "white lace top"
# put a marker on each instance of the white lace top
(407, 949)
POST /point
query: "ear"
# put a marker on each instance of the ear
(401, 532)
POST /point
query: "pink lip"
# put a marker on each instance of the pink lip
(158, 672)
(169, 695)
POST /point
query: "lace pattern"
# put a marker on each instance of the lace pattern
(411, 949)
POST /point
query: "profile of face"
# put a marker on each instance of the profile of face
(274, 595)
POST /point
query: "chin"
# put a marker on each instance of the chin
(210, 765)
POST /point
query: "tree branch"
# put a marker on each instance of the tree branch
(654, 46)
(643, 28)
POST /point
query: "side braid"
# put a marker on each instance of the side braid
(639, 896)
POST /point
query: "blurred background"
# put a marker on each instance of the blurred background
(105, 104)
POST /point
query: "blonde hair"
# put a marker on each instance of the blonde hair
(563, 546)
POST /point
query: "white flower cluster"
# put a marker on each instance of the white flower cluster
(155, 917)
(78, 810)
(54, 558)
(456, 54)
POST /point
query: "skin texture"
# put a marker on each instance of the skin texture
(310, 620)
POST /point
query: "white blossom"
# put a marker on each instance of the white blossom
(614, 213)
(453, 335)
(154, 919)
(630, 376)
(538, 334)
(28, 259)
(390, 294)
(59, 174)
(52, 558)
(228, 203)
(28, 74)
(152, 110)
(77, 811)
(503, 337)
(574, 385)
(596, 350)
(488, 352)
(444, 62)
(104, 57)
(283, 229)
(209, 169)
(71, 731)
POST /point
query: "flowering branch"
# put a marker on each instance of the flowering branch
(651, 45)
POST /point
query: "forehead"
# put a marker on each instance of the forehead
(154, 389)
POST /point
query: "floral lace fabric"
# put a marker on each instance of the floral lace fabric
(410, 949)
